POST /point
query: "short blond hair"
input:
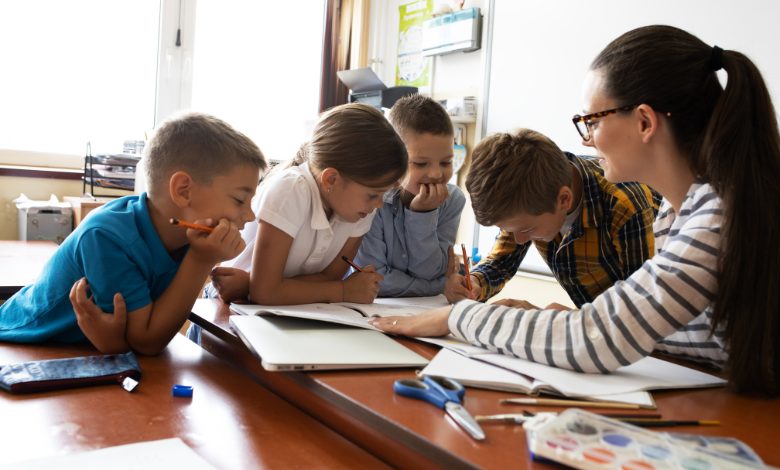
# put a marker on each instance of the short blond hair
(199, 144)
(516, 173)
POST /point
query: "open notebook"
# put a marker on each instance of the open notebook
(479, 367)
(346, 313)
(479, 374)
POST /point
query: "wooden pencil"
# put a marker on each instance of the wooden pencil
(570, 403)
(185, 224)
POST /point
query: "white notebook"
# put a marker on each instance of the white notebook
(478, 374)
(347, 313)
(629, 383)
(284, 343)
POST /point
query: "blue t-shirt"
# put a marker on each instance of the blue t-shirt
(117, 249)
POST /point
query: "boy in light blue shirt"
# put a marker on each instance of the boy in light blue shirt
(410, 241)
(128, 259)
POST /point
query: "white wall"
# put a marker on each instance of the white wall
(541, 51)
(456, 74)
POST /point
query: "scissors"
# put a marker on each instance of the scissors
(444, 393)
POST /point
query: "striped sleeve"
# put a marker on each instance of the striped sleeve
(627, 321)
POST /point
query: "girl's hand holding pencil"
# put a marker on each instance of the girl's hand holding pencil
(362, 286)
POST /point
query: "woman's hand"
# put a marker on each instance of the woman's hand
(430, 323)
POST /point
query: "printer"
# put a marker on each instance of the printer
(365, 87)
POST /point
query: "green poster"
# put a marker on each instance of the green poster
(412, 68)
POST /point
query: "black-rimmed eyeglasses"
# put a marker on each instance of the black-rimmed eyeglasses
(584, 123)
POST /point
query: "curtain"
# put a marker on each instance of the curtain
(345, 46)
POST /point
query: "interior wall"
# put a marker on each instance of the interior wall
(541, 51)
(454, 75)
(34, 188)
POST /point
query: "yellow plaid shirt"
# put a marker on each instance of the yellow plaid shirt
(610, 240)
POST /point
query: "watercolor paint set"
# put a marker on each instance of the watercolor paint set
(585, 440)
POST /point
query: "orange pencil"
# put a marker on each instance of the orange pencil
(349, 261)
(466, 266)
(186, 224)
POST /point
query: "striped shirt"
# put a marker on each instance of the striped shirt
(666, 305)
(610, 240)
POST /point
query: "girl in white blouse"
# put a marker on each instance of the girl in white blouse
(314, 211)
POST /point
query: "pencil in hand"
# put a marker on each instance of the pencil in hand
(186, 224)
(466, 266)
(355, 266)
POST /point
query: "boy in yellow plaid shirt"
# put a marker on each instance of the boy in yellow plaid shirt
(590, 232)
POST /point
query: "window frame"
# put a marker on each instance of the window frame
(173, 91)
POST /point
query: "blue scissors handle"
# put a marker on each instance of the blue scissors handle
(420, 390)
(450, 388)
(444, 393)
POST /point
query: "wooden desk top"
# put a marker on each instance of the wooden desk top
(230, 421)
(361, 405)
(21, 262)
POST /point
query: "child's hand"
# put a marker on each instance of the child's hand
(232, 284)
(362, 287)
(557, 306)
(430, 197)
(524, 304)
(476, 288)
(222, 244)
(455, 288)
(106, 331)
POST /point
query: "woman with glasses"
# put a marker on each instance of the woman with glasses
(658, 114)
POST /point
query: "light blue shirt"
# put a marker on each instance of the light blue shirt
(411, 248)
(117, 249)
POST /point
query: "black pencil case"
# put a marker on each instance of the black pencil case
(54, 374)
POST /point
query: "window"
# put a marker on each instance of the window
(76, 71)
(87, 70)
(257, 66)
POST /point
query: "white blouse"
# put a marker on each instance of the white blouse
(290, 201)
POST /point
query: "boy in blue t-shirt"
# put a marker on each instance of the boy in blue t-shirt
(127, 258)
(410, 240)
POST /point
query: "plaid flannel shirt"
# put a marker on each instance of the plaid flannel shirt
(610, 240)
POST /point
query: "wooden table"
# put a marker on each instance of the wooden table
(361, 405)
(230, 421)
(21, 262)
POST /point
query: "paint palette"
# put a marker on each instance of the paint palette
(588, 441)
